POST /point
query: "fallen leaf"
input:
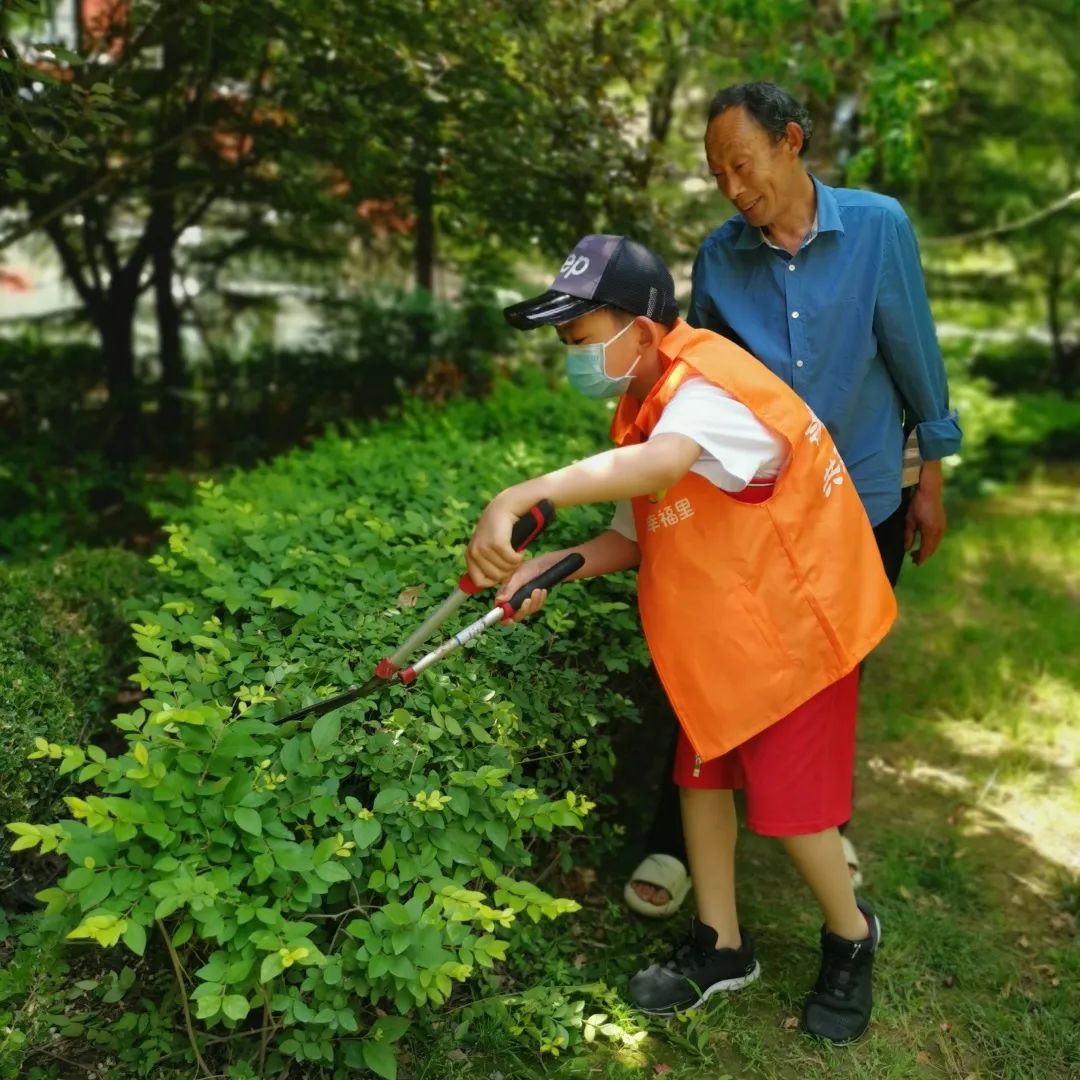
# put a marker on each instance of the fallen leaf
(587, 875)
(407, 597)
(1063, 920)
(923, 1058)
(904, 892)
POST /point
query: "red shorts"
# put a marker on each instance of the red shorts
(797, 773)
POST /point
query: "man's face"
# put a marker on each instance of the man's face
(752, 169)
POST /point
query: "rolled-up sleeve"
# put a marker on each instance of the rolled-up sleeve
(905, 332)
(622, 520)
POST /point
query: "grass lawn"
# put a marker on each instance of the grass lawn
(968, 821)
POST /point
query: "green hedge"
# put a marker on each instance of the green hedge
(64, 642)
(379, 857)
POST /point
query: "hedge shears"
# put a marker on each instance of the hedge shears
(526, 529)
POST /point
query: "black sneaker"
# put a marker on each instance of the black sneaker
(696, 971)
(838, 1008)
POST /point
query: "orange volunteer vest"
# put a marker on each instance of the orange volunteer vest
(750, 609)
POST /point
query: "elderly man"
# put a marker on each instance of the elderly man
(824, 286)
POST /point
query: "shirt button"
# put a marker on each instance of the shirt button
(791, 266)
(798, 363)
(794, 314)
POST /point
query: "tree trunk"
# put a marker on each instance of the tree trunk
(424, 255)
(1065, 355)
(116, 327)
(173, 413)
(424, 205)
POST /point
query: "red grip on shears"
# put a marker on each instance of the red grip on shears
(468, 586)
(385, 668)
(533, 522)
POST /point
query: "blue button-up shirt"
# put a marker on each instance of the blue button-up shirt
(846, 323)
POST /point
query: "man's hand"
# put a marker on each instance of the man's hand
(926, 514)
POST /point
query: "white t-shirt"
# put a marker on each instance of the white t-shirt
(736, 447)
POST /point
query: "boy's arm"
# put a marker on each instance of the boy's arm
(608, 477)
(604, 554)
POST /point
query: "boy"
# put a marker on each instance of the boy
(760, 589)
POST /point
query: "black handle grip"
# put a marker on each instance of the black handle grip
(531, 524)
(526, 529)
(549, 578)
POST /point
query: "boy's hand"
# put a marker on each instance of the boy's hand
(489, 556)
(530, 607)
(522, 576)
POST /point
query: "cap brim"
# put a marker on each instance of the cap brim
(552, 308)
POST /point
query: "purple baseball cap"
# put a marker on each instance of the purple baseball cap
(602, 271)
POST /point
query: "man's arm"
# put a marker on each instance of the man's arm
(905, 332)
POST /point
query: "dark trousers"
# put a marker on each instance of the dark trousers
(666, 835)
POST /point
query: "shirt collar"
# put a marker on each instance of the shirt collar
(826, 219)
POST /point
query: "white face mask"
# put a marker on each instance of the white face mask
(586, 369)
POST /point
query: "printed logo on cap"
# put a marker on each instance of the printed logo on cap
(585, 266)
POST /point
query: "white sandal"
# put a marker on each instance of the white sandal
(662, 872)
(852, 857)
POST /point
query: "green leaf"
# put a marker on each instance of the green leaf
(281, 597)
(388, 855)
(235, 1007)
(366, 832)
(380, 1058)
(497, 833)
(397, 914)
(290, 856)
(271, 966)
(325, 731)
(332, 871)
(96, 891)
(134, 937)
(389, 798)
(206, 1007)
(78, 879)
(183, 934)
(248, 819)
(219, 648)
(391, 1028)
